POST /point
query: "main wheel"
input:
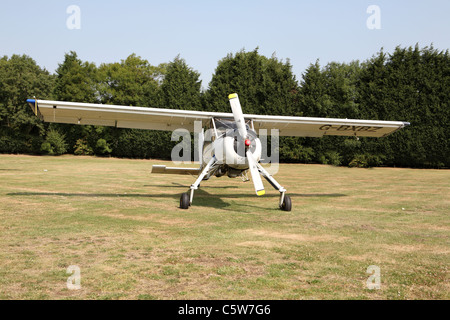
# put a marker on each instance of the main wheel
(287, 203)
(184, 201)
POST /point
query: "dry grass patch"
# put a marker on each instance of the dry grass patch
(123, 228)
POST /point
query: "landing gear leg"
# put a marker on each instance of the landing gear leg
(187, 198)
(285, 201)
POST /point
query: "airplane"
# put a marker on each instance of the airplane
(230, 145)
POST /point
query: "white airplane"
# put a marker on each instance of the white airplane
(231, 145)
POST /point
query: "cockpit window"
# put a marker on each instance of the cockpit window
(225, 124)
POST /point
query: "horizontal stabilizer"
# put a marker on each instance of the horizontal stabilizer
(174, 170)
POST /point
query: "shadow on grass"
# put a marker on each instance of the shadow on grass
(240, 195)
(212, 200)
(199, 192)
(179, 185)
(202, 198)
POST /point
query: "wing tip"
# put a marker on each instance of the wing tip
(33, 104)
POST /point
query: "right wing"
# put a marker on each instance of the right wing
(120, 116)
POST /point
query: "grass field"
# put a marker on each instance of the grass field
(122, 227)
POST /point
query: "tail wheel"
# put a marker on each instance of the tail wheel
(287, 203)
(184, 201)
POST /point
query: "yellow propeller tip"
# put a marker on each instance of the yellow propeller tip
(233, 95)
(261, 192)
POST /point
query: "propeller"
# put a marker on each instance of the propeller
(240, 123)
(256, 177)
(238, 115)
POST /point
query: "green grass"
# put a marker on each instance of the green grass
(122, 226)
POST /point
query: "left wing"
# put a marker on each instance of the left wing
(170, 119)
(318, 127)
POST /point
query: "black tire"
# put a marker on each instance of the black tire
(287, 203)
(185, 201)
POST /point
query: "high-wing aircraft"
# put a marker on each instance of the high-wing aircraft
(230, 146)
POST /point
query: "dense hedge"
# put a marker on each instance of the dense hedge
(410, 84)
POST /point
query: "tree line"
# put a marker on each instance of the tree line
(410, 84)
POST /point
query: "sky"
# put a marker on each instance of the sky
(204, 32)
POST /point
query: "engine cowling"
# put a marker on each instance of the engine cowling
(231, 149)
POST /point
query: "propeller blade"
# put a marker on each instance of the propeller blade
(256, 177)
(238, 115)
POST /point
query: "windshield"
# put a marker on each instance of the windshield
(225, 124)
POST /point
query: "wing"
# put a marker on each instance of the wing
(120, 116)
(170, 119)
(318, 127)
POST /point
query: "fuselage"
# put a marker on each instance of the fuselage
(230, 151)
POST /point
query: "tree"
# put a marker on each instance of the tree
(314, 99)
(181, 87)
(331, 92)
(54, 143)
(411, 84)
(132, 82)
(265, 86)
(21, 78)
(76, 80)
